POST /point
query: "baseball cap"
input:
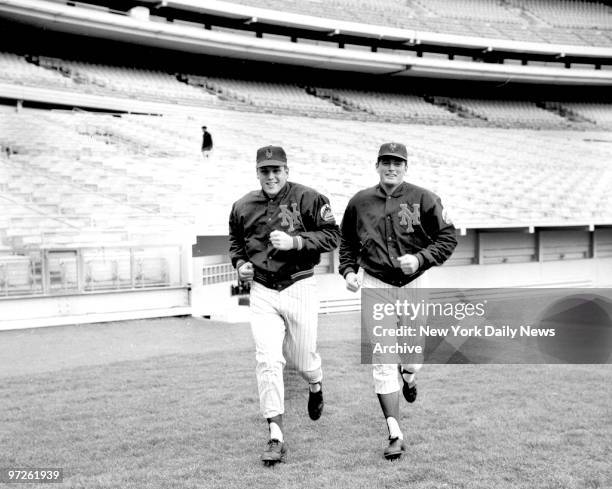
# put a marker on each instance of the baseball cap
(393, 149)
(271, 156)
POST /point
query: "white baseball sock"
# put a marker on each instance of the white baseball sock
(394, 429)
(275, 432)
(316, 387)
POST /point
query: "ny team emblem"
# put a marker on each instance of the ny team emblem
(289, 217)
(409, 217)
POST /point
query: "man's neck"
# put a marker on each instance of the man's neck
(389, 189)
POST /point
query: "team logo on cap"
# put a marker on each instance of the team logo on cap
(409, 217)
(268, 153)
(393, 146)
(289, 218)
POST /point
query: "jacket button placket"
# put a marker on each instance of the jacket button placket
(389, 228)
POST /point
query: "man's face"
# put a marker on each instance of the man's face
(272, 178)
(391, 170)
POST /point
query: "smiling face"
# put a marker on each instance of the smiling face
(272, 178)
(391, 170)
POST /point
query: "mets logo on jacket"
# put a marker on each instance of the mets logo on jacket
(289, 218)
(409, 217)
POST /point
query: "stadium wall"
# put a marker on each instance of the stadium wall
(34, 312)
(560, 257)
(58, 290)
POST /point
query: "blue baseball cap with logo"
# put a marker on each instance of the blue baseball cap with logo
(271, 156)
(393, 149)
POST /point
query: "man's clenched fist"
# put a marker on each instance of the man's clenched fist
(352, 282)
(281, 240)
(409, 264)
(245, 272)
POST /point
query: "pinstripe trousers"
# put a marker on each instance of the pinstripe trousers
(386, 375)
(284, 327)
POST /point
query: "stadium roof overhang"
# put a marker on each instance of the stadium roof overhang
(108, 25)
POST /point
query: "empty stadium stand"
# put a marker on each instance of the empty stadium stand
(568, 13)
(390, 106)
(596, 113)
(565, 22)
(512, 113)
(16, 69)
(84, 179)
(87, 178)
(267, 95)
(189, 90)
(92, 78)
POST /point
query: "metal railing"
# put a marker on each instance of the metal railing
(56, 271)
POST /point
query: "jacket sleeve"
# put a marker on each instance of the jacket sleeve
(440, 230)
(349, 242)
(322, 233)
(237, 249)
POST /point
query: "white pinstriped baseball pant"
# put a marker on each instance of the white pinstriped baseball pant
(284, 327)
(386, 375)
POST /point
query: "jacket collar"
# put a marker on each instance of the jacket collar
(399, 191)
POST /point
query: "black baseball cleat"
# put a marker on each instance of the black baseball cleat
(275, 452)
(315, 403)
(409, 391)
(395, 449)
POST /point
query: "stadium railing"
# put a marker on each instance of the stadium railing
(74, 269)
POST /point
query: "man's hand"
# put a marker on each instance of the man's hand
(352, 282)
(281, 240)
(245, 272)
(409, 264)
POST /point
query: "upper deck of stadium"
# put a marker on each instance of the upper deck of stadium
(546, 21)
(510, 41)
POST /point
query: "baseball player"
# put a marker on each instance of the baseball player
(276, 237)
(394, 232)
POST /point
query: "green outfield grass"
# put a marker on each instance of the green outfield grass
(191, 420)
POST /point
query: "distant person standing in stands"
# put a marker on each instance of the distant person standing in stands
(207, 143)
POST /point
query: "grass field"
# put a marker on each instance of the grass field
(173, 403)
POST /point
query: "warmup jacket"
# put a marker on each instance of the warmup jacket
(378, 228)
(298, 211)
